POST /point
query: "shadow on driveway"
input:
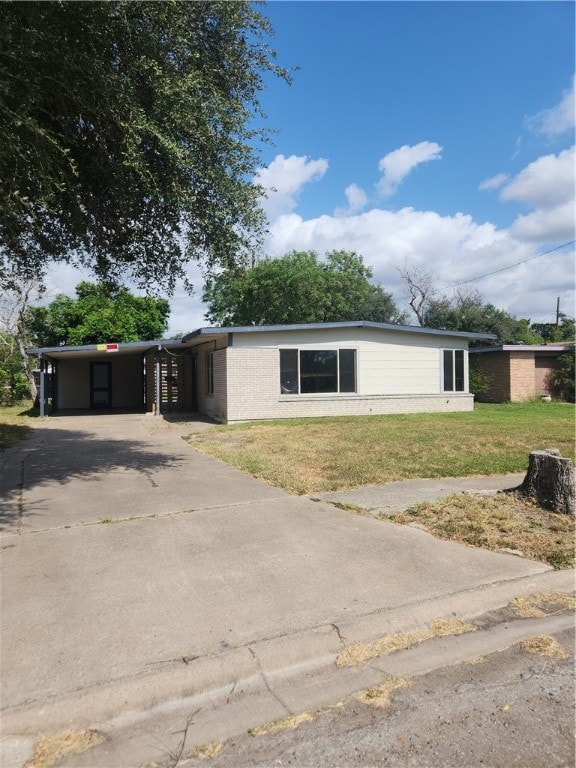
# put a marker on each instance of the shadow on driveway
(56, 457)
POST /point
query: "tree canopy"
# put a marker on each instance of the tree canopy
(564, 330)
(467, 311)
(299, 288)
(128, 138)
(98, 315)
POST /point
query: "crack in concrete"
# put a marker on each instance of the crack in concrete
(337, 630)
(267, 684)
(134, 518)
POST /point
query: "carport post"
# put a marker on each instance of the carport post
(42, 404)
(158, 382)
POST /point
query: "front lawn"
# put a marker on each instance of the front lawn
(329, 454)
(15, 423)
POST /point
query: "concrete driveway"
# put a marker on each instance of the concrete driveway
(135, 569)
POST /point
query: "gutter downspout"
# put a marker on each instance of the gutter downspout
(42, 388)
(158, 382)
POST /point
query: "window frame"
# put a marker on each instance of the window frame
(454, 377)
(297, 370)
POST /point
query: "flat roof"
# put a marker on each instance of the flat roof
(344, 324)
(521, 348)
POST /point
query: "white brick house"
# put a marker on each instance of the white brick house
(269, 372)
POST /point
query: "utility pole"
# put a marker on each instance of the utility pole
(558, 312)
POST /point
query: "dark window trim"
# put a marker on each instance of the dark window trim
(291, 372)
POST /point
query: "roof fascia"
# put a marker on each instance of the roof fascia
(345, 324)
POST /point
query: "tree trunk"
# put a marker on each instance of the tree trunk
(28, 371)
(550, 481)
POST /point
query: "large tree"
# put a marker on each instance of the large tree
(16, 376)
(128, 135)
(467, 311)
(97, 315)
(299, 288)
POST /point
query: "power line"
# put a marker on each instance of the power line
(510, 266)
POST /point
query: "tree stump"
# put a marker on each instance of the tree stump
(550, 481)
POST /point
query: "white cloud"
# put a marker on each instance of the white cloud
(357, 199)
(494, 182)
(547, 182)
(557, 120)
(283, 179)
(547, 185)
(546, 225)
(396, 165)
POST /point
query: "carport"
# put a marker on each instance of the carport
(153, 376)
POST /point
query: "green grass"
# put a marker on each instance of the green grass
(316, 455)
(15, 423)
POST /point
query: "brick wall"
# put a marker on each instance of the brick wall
(495, 366)
(522, 376)
(215, 404)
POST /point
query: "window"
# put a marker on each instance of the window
(308, 371)
(453, 370)
(210, 373)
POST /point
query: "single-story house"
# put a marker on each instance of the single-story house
(266, 372)
(516, 372)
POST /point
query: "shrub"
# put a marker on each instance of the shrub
(562, 379)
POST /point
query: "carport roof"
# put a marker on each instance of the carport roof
(89, 350)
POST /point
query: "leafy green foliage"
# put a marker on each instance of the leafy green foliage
(550, 332)
(468, 312)
(299, 288)
(128, 135)
(563, 378)
(479, 382)
(98, 314)
(13, 383)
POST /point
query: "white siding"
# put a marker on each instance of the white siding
(73, 382)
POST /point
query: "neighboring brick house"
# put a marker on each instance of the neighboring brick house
(268, 372)
(516, 373)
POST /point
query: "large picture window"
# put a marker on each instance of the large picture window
(309, 371)
(453, 370)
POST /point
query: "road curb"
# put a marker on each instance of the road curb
(298, 656)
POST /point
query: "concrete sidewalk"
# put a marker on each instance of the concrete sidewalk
(136, 571)
(398, 496)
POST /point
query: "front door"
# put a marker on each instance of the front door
(100, 385)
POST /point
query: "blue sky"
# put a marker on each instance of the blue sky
(432, 135)
(375, 76)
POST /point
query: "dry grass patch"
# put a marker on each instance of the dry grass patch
(206, 751)
(505, 521)
(380, 695)
(361, 653)
(545, 645)
(291, 722)
(309, 456)
(542, 604)
(50, 749)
